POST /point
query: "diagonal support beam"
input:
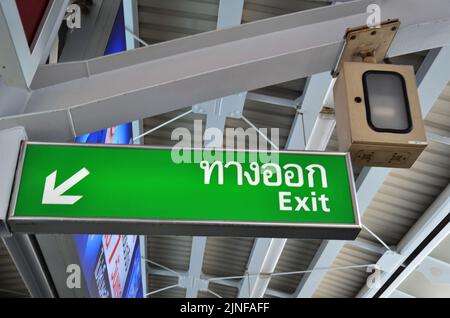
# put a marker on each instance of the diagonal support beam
(416, 246)
(399, 294)
(312, 102)
(274, 100)
(266, 252)
(432, 78)
(19, 62)
(230, 13)
(131, 16)
(439, 139)
(175, 74)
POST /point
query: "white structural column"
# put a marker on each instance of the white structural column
(312, 102)
(262, 262)
(323, 126)
(188, 71)
(230, 14)
(274, 100)
(266, 252)
(131, 16)
(195, 266)
(18, 63)
(432, 77)
(217, 110)
(131, 19)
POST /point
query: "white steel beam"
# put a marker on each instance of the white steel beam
(439, 139)
(274, 100)
(266, 252)
(12, 99)
(206, 280)
(432, 78)
(323, 125)
(437, 213)
(318, 129)
(195, 266)
(263, 260)
(229, 15)
(310, 130)
(400, 294)
(368, 246)
(217, 111)
(131, 16)
(19, 62)
(92, 38)
(81, 97)
(131, 19)
(311, 104)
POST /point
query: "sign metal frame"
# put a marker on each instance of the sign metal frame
(70, 225)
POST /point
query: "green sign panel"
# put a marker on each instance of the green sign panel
(68, 188)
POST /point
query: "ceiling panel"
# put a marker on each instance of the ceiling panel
(397, 206)
(11, 283)
(296, 256)
(400, 202)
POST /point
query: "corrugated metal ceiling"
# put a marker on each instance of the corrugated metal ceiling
(11, 284)
(400, 202)
(262, 115)
(163, 20)
(348, 282)
(296, 256)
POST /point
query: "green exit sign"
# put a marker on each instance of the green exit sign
(72, 188)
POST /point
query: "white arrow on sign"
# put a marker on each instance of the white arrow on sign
(55, 196)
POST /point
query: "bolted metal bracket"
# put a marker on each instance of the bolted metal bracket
(203, 284)
(327, 111)
(367, 44)
(390, 261)
(230, 106)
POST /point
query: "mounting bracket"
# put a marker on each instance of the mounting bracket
(367, 44)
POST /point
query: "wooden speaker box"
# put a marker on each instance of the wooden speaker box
(378, 115)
